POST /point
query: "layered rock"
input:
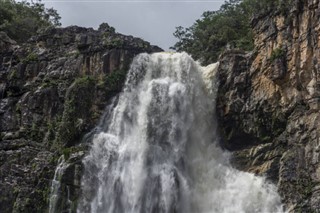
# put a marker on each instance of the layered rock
(269, 102)
(52, 91)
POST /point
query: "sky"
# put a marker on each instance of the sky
(152, 20)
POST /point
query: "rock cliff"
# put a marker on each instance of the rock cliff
(52, 91)
(269, 102)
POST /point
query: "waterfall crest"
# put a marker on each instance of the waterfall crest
(159, 151)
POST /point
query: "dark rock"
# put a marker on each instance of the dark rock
(53, 90)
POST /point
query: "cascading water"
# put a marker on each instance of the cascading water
(159, 151)
(55, 194)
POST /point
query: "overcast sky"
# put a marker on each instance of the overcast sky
(152, 20)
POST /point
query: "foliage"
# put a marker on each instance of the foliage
(21, 20)
(276, 54)
(66, 153)
(229, 27)
(113, 42)
(49, 83)
(77, 107)
(32, 57)
(114, 80)
(13, 74)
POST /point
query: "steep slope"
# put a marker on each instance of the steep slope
(52, 91)
(269, 102)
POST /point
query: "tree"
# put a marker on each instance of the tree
(21, 20)
(215, 31)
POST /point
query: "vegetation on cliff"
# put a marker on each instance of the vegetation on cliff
(53, 90)
(21, 20)
(228, 27)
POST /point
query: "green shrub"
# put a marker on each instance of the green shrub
(276, 54)
(114, 42)
(227, 28)
(115, 80)
(77, 107)
(21, 19)
(13, 74)
(66, 153)
(32, 57)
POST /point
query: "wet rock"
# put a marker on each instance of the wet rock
(53, 90)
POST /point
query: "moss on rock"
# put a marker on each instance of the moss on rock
(77, 110)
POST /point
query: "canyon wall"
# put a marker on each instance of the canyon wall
(53, 90)
(268, 103)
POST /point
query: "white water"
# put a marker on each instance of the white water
(159, 151)
(56, 186)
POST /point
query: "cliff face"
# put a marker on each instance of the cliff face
(269, 102)
(52, 91)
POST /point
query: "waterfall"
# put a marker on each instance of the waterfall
(55, 194)
(159, 150)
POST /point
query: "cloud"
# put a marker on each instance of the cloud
(153, 20)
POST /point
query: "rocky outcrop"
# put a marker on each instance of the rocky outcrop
(269, 102)
(52, 92)
(54, 89)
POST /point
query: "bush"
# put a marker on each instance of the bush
(227, 28)
(276, 54)
(21, 20)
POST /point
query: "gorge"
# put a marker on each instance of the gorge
(158, 151)
(241, 135)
